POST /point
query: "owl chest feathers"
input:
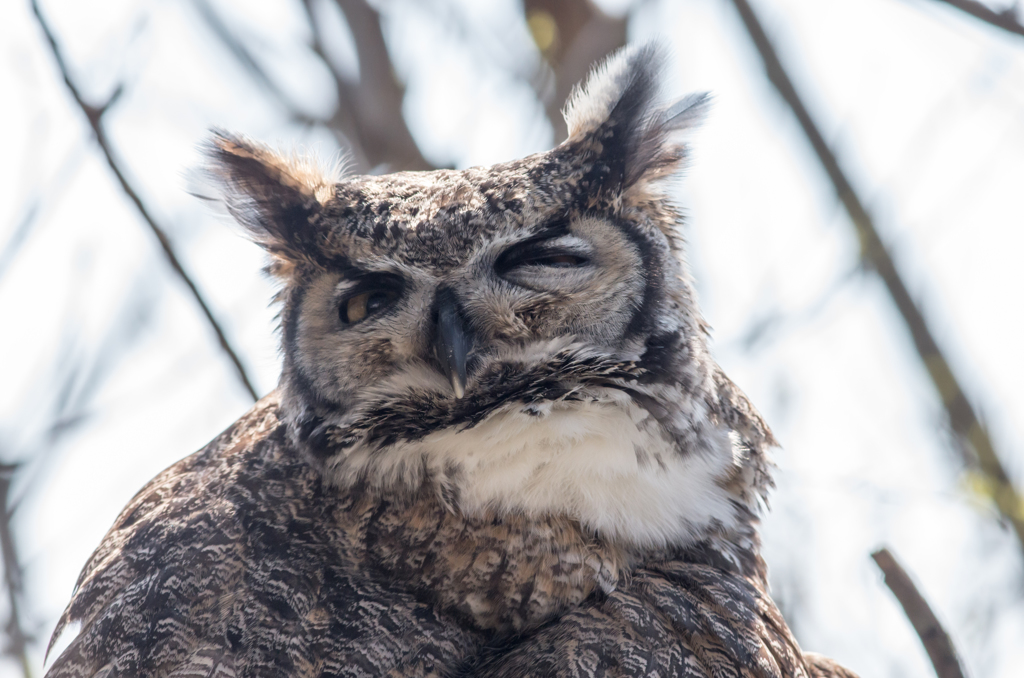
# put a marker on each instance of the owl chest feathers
(601, 460)
(529, 512)
(507, 575)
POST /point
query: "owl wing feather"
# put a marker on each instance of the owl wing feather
(226, 565)
(674, 619)
(824, 667)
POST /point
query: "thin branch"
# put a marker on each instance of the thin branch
(247, 60)
(374, 103)
(94, 115)
(962, 418)
(1007, 19)
(368, 118)
(18, 639)
(572, 35)
(343, 122)
(936, 641)
(37, 206)
(763, 329)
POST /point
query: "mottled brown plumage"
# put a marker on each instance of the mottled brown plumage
(500, 446)
(284, 576)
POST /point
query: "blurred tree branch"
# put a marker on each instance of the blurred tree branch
(1006, 19)
(967, 428)
(94, 115)
(571, 35)
(936, 641)
(370, 110)
(37, 204)
(247, 60)
(68, 395)
(17, 639)
(367, 119)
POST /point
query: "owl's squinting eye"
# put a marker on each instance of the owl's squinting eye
(364, 304)
(556, 260)
(539, 253)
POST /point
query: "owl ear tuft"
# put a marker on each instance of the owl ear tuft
(278, 200)
(616, 113)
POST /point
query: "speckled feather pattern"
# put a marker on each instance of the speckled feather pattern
(281, 576)
(587, 507)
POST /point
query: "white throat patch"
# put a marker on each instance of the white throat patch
(604, 462)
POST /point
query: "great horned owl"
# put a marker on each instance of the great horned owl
(499, 446)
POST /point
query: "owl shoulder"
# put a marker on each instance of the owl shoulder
(225, 562)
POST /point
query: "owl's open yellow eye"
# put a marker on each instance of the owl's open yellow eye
(364, 304)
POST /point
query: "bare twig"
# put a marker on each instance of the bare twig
(37, 207)
(247, 60)
(934, 638)
(377, 99)
(21, 231)
(963, 420)
(66, 395)
(94, 115)
(18, 639)
(369, 113)
(572, 35)
(1007, 19)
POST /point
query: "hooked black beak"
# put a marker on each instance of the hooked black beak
(452, 342)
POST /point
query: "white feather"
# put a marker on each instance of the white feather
(578, 459)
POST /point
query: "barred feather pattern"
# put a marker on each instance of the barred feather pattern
(238, 561)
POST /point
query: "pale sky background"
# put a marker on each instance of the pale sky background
(924, 106)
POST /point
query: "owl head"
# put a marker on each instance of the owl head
(522, 338)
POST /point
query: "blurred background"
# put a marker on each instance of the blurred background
(855, 228)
